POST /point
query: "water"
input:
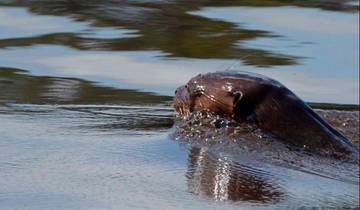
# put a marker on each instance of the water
(85, 94)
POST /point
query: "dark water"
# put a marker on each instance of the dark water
(85, 93)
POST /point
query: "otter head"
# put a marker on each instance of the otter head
(210, 92)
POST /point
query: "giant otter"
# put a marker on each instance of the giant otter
(254, 98)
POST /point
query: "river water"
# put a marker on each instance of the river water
(85, 102)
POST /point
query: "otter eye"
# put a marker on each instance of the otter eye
(175, 91)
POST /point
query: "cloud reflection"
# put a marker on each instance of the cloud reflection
(290, 18)
(144, 71)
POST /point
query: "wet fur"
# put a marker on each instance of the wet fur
(258, 99)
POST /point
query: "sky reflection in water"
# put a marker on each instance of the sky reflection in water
(325, 51)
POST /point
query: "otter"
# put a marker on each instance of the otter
(254, 98)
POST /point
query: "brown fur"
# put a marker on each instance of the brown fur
(258, 99)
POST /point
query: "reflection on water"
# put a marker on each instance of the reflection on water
(307, 45)
(78, 145)
(17, 86)
(103, 108)
(224, 179)
(239, 162)
(162, 26)
(20, 23)
(80, 129)
(230, 176)
(165, 26)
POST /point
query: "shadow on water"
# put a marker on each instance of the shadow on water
(165, 25)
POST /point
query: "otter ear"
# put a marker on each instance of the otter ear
(237, 97)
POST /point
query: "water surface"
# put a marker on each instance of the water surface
(85, 102)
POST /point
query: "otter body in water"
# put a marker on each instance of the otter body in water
(253, 98)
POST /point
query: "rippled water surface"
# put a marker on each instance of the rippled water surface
(85, 103)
